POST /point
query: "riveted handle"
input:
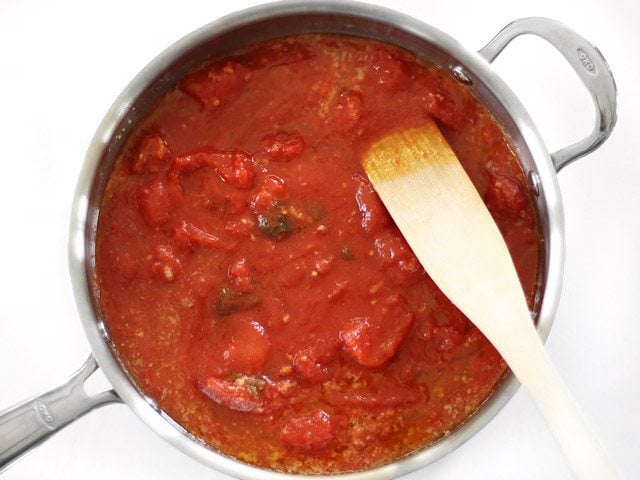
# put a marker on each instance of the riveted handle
(26, 425)
(588, 63)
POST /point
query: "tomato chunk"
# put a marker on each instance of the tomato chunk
(214, 85)
(240, 228)
(242, 395)
(395, 252)
(166, 263)
(254, 283)
(238, 273)
(235, 167)
(249, 347)
(374, 214)
(282, 53)
(346, 111)
(246, 393)
(443, 104)
(448, 338)
(282, 147)
(505, 196)
(311, 431)
(372, 343)
(315, 363)
(151, 155)
(271, 191)
(239, 172)
(155, 203)
(390, 72)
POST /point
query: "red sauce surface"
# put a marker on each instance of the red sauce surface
(254, 284)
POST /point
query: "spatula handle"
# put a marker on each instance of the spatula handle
(584, 453)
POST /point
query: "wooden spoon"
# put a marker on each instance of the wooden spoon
(444, 220)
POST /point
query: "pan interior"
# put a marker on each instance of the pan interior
(164, 73)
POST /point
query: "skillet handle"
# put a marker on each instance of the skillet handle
(588, 63)
(26, 425)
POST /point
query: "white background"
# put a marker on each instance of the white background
(63, 63)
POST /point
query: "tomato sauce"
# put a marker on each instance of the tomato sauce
(255, 286)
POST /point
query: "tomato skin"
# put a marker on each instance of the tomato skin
(387, 394)
(233, 396)
(186, 234)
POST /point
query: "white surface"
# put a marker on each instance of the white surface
(63, 63)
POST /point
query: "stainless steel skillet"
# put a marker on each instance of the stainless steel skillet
(29, 423)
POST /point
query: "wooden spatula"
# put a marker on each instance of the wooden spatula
(444, 220)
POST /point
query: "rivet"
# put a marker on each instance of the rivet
(536, 299)
(152, 403)
(103, 329)
(461, 75)
(534, 182)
